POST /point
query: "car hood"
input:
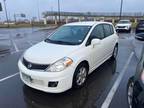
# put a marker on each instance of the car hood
(48, 53)
(123, 24)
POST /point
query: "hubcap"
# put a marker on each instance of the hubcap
(81, 76)
(130, 94)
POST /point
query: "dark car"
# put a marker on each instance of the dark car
(140, 30)
(140, 36)
(140, 27)
(135, 87)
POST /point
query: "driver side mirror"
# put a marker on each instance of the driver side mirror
(95, 42)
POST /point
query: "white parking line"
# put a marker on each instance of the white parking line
(116, 84)
(15, 46)
(31, 44)
(8, 77)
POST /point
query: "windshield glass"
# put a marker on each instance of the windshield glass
(69, 35)
(124, 22)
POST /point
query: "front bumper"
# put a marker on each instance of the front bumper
(138, 95)
(123, 28)
(40, 80)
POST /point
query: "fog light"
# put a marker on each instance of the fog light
(53, 84)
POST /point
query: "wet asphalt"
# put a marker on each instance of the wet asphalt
(14, 94)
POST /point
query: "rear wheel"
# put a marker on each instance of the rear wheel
(115, 52)
(80, 75)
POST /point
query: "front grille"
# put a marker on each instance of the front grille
(121, 26)
(31, 66)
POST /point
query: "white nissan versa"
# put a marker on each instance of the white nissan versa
(66, 57)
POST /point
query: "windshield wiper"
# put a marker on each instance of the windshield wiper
(60, 42)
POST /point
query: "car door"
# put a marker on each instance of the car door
(96, 53)
(109, 40)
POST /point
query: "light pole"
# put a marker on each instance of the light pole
(59, 13)
(121, 9)
(6, 12)
(38, 10)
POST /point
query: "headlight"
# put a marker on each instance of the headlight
(60, 65)
(142, 76)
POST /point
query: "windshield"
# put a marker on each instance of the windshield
(124, 22)
(69, 35)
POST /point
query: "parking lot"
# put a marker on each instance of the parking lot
(106, 86)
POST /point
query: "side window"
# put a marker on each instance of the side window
(112, 29)
(98, 33)
(107, 30)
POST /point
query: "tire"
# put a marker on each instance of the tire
(115, 52)
(130, 86)
(80, 77)
(129, 31)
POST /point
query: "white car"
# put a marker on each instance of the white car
(124, 25)
(66, 57)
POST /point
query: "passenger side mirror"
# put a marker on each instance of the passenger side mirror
(95, 42)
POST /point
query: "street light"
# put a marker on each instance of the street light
(59, 14)
(121, 8)
(38, 10)
(6, 12)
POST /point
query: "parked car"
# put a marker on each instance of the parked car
(124, 25)
(66, 57)
(135, 87)
(140, 36)
(140, 27)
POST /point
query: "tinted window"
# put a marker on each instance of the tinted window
(98, 33)
(112, 29)
(107, 30)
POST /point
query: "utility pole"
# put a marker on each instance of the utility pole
(59, 13)
(6, 12)
(121, 9)
(38, 10)
(15, 18)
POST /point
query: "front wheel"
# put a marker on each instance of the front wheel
(80, 76)
(115, 52)
(130, 87)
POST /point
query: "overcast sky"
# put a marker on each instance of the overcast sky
(30, 7)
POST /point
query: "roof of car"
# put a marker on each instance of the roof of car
(86, 23)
